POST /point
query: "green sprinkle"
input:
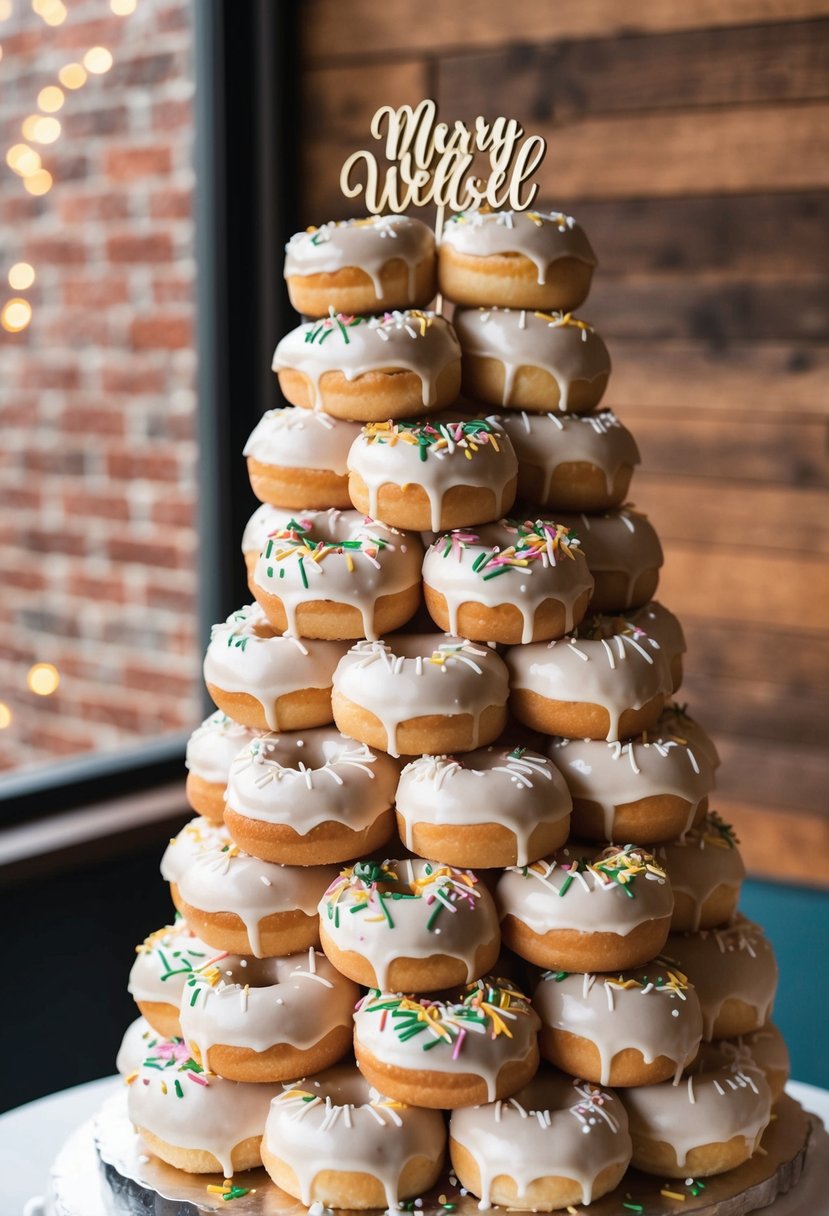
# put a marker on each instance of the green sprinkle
(633, 1207)
(269, 572)
(494, 573)
(386, 912)
(480, 560)
(179, 1090)
(565, 885)
(301, 564)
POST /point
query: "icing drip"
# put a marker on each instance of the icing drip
(355, 565)
(336, 1122)
(490, 1025)
(213, 745)
(548, 441)
(223, 879)
(566, 348)
(764, 1050)
(305, 780)
(368, 244)
(261, 1003)
(553, 1127)
(245, 655)
(408, 910)
(542, 559)
(541, 236)
(412, 340)
(675, 722)
(428, 673)
(612, 892)
(164, 962)
(522, 790)
(621, 541)
(653, 1010)
(302, 439)
(705, 859)
(196, 835)
(175, 1099)
(438, 456)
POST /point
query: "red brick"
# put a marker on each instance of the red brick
(179, 512)
(95, 293)
(150, 466)
(173, 290)
(71, 461)
(105, 31)
(42, 374)
(155, 247)
(146, 553)
(126, 717)
(87, 588)
(130, 164)
(24, 578)
(176, 112)
(102, 120)
(104, 205)
(55, 540)
(162, 595)
(132, 377)
(171, 204)
(153, 679)
(92, 420)
(55, 251)
(162, 332)
(145, 69)
(85, 503)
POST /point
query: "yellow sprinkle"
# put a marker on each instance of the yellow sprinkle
(349, 561)
(672, 1194)
(129, 1080)
(467, 453)
(164, 1087)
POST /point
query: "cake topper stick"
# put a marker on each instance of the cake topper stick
(432, 162)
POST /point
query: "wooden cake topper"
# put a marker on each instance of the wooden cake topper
(434, 162)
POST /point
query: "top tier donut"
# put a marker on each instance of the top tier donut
(515, 259)
(364, 265)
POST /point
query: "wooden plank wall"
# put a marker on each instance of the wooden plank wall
(692, 141)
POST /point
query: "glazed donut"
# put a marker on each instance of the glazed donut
(652, 788)
(445, 809)
(310, 800)
(581, 912)
(401, 938)
(604, 682)
(267, 681)
(432, 475)
(571, 462)
(657, 622)
(163, 962)
(370, 369)
(197, 1122)
(624, 556)
(515, 259)
(135, 1045)
(343, 577)
(635, 1027)
(247, 906)
(268, 1019)
(545, 595)
(555, 1143)
(297, 458)
(764, 1050)
(210, 749)
(734, 972)
(264, 522)
(710, 1123)
(676, 723)
(196, 835)
(362, 265)
(483, 1045)
(333, 1140)
(459, 690)
(706, 873)
(538, 361)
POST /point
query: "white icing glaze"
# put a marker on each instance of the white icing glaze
(621, 541)
(489, 1026)
(301, 439)
(557, 342)
(262, 1003)
(409, 909)
(658, 622)
(413, 341)
(539, 559)
(652, 1010)
(522, 790)
(303, 780)
(368, 244)
(710, 1108)
(705, 859)
(163, 963)
(542, 236)
(343, 558)
(613, 774)
(221, 878)
(618, 672)
(764, 1050)
(267, 519)
(733, 962)
(548, 441)
(245, 655)
(184, 1106)
(554, 1127)
(199, 833)
(414, 675)
(135, 1045)
(336, 1121)
(437, 456)
(213, 745)
(572, 891)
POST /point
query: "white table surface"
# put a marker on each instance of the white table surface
(32, 1135)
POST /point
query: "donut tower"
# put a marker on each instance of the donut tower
(454, 849)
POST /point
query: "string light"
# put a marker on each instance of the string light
(16, 315)
(53, 12)
(122, 8)
(38, 183)
(40, 129)
(5, 9)
(50, 99)
(21, 276)
(72, 76)
(97, 60)
(23, 159)
(5, 716)
(43, 679)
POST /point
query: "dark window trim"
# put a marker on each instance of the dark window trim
(245, 56)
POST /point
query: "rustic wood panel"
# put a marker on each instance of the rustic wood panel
(331, 31)
(786, 777)
(779, 845)
(759, 709)
(791, 659)
(684, 508)
(564, 80)
(341, 100)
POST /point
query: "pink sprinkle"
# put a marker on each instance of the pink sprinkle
(199, 1080)
(383, 1019)
(456, 1050)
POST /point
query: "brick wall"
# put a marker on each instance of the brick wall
(97, 404)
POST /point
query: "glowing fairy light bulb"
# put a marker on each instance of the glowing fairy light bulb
(5, 716)
(122, 8)
(40, 129)
(21, 276)
(72, 75)
(16, 315)
(50, 99)
(38, 183)
(97, 60)
(43, 679)
(23, 159)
